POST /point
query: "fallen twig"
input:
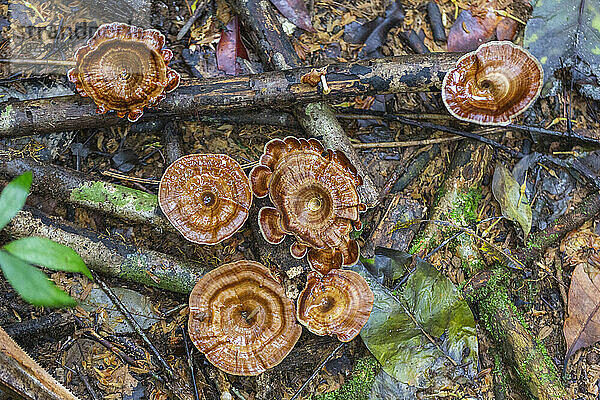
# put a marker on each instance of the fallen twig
(316, 371)
(134, 325)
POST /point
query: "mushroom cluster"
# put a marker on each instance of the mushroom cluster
(124, 68)
(493, 85)
(241, 319)
(314, 194)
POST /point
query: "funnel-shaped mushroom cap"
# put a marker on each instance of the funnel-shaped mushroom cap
(124, 68)
(241, 319)
(338, 303)
(205, 196)
(493, 84)
(313, 190)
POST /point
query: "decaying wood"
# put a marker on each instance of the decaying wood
(83, 190)
(22, 377)
(466, 173)
(108, 256)
(539, 241)
(318, 119)
(502, 320)
(276, 89)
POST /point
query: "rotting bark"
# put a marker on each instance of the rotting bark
(409, 73)
(83, 190)
(539, 241)
(457, 202)
(108, 256)
(522, 350)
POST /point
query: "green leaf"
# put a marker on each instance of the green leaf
(32, 284)
(566, 33)
(513, 204)
(13, 197)
(401, 328)
(45, 252)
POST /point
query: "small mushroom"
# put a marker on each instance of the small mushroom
(338, 303)
(205, 196)
(241, 319)
(315, 198)
(493, 85)
(124, 68)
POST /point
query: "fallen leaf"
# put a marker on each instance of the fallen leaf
(296, 12)
(513, 204)
(470, 31)
(394, 15)
(507, 29)
(582, 327)
(426, 329)
(230, 47)
(566, 33)
(137, 304)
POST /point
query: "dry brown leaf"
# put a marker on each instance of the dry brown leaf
(582, 327)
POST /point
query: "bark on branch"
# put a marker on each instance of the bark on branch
(409, 73)
(108, 256)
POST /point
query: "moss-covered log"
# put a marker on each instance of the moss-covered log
(522, 350)
(457, 203)
(83, 190)
(317, 119)
(108, 256)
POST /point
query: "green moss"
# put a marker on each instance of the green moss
(464, 208)
(359, 385)
(118, 196)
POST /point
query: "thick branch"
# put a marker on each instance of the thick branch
(83, 190)
(108, 256)
(395, 74)
(503, 321)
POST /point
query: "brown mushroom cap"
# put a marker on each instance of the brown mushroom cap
(124, 68)
(338, 303)
(314, 193)
(493, 84)
(241, 319)
(205, 196)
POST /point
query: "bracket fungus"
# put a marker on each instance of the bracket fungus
(314, 194)
(493, 85)
(205, 196)
(241, 319)
(124, 68)
(338, 303)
